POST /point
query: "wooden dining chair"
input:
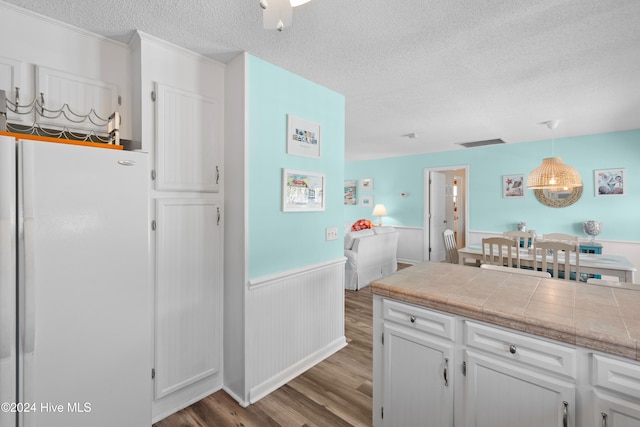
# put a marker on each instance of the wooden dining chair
(525, 239)
(548, 258)
(543, 274)
(501, 251)
(450, 247)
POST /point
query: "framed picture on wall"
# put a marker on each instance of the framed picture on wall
(366, 201)
(350, 194)
(302, 191)
(609, 182)
(366, 184)
(513, 186)
(303, 137)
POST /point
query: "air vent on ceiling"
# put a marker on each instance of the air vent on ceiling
(480, 143)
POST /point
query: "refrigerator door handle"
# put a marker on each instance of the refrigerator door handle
(28, 303)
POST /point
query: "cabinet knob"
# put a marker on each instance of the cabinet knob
(512, 349)
(413, 319)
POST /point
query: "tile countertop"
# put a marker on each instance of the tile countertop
(598, 317)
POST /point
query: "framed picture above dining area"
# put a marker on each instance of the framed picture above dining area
(513, 186)
(609, 182)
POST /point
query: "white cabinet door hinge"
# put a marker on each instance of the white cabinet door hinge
(153, 96)
(153, 174)
(153, 225)
(153, 373)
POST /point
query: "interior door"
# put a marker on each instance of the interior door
(437, 215)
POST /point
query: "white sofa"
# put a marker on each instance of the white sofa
(371, 254)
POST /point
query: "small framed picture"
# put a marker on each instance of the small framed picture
(302, 191)
(609, 182)
(366, 184)
(303, 137)
(513, 186)
(366, 201)
(350, 194)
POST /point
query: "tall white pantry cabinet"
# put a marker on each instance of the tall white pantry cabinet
(181, 125)
(172, 106)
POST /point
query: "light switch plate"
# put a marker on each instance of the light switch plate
(331, 233)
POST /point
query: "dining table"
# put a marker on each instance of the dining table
(589, 264)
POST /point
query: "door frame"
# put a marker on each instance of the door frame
(425, 221)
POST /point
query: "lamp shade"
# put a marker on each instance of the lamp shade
(554, 175)
(379, 210)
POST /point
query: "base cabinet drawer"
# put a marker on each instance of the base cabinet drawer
(521, 348)
(616, 376)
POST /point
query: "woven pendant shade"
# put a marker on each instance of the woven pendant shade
(554, 175)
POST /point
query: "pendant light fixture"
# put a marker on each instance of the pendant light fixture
(278, 14)
(552, 174)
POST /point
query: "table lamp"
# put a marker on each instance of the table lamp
(379, 211)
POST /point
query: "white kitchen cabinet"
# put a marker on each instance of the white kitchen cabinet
(496, 377)
(70, 101)
(612, 411)
(616, 392)
(178, 117)
(77, 96)
(12, 75)
(501, 393)
(188, 137)
(188, 303)
(514, 379)
(417, 367)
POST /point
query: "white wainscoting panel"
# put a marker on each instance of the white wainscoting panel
(410, 244)
(294, 321)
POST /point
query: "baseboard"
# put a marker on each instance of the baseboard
(277, 381)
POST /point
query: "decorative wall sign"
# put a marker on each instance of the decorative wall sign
(303, 137)
(609, 182)
(513, 186)
(350, 194)
(302, 191)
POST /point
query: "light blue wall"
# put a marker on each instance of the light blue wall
(488, 210)
(279, 241)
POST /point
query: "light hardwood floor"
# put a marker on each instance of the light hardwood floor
(336, 392)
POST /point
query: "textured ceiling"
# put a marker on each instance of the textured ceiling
(448, 71)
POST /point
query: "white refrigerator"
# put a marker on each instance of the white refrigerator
(75, 300)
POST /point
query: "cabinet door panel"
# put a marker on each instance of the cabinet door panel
(502, 394)
(616, 412)
(81, 96)
(12, 76)
(188, 134)
(414, 366)
(188, 293)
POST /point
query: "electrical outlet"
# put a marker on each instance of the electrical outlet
(331, 233)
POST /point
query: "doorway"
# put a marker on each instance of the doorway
(445, 206)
